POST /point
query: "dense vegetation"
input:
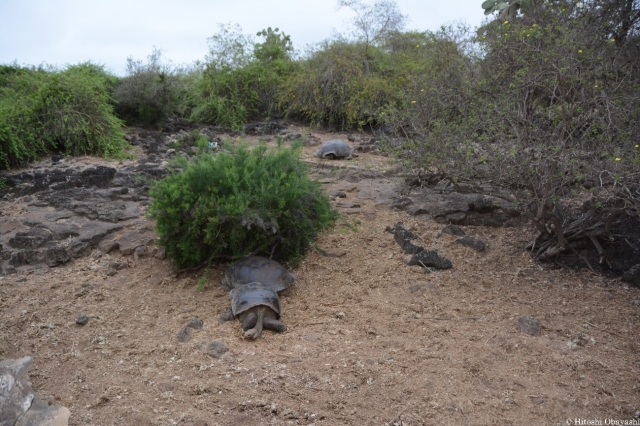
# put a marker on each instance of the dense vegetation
(238, 202)
(48, 110)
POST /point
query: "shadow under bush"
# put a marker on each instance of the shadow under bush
(238, 202)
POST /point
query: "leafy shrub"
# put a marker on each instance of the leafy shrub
(151, 92)
(341, 85)
(546, 103)
(241, 80)
(437, 116)
(237, 202)
(66, 111)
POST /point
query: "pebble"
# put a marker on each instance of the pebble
(216, 349)
(82, 319)
(529, 325)
(195, 323)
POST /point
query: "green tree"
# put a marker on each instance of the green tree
(242, 79)
(276, 46)
(373, 23)
(151, 92)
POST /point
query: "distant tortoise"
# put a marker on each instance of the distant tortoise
(334, 149)
(255, 282)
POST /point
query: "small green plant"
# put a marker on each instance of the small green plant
(347, 225)
(202, 282)
(194, 138)
(174, 145)
(237, 202)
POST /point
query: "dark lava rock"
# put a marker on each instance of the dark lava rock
(195, 323)
(421, 256)
(184, 335)
(456, 218)
(139, 252)
(484, 220)
(416, 210)
(227, 315)
(82, 319)
(129, 241)
(95, 231)
(403, 237)
(632, 276)
(471, 242)
(114, 267)
(79, 249)
(453, 230)
(99, 176)
(402, 203)
(56, 255)
(61, 231)
(529, 325)
(451, 204)
(108, 244)
(430, 258)
(16, 259)
(483, 205)
(33, 238)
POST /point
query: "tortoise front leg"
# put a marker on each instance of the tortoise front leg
(249, 321)
(257, 330)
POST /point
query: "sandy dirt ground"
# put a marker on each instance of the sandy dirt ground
(370, 340)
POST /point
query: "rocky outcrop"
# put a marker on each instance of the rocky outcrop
(19, 405)
(632, 276)
(461, 209)
(64, 208)
(417, 255)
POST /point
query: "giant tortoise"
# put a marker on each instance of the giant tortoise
(334, 149)
(255, 282)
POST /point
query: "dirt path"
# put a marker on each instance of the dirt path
(371, 341)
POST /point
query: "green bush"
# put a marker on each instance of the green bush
(545, 102)
(241, 80)
(526, 108)
(342, 85)
(237, 202)
(151, 92)
(68, 111)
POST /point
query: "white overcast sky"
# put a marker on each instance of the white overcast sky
(64, 32)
